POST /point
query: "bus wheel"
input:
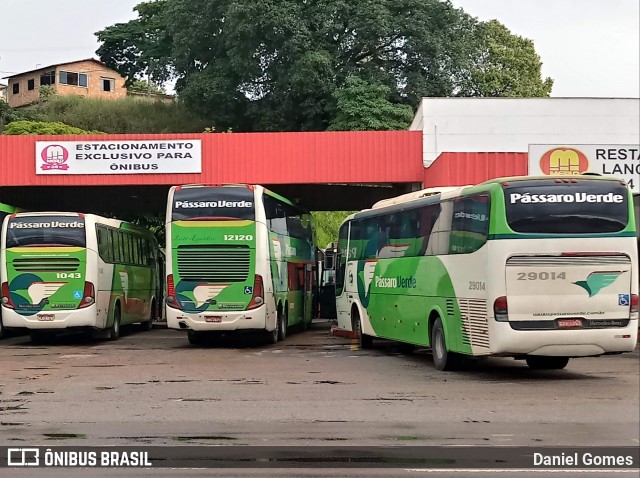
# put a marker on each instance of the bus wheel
(114, 330)
(148, 325)
(364, 341)
(272, 337)
(282, 328)
(442, 358)
(539, 362)
(195, 338)
(1, 329)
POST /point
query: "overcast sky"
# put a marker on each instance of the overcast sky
(589, 47)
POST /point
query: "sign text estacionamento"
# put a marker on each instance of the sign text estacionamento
(119, 157)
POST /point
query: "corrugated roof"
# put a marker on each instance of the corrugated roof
(55, 65)
(258, 158)
(459, 169)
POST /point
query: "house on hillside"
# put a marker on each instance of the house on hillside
(3, 92)
(89, 77)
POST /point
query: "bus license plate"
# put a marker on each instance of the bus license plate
(213, 318)
(45, 317)
(569, 323)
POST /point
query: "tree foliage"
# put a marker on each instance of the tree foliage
(363, 106)
(24, 127)
(507, 65)
(144, 86)
(8, 114)
(327, 224)
(286, 65)
(141, 47)
(123, 116)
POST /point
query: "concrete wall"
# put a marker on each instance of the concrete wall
(511, 124)
(95, 73)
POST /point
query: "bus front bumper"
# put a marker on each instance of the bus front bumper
(48, 320)
(254, 319)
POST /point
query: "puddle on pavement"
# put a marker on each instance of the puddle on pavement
(65, 436)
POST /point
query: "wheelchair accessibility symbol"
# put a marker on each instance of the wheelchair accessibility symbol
(77, 294)
(248, 290)
(623, 299)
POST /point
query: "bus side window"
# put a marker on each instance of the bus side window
(368, 233)
(104, 243)
(470, 224)
(438, 241)
(427, 217)
(404, 234)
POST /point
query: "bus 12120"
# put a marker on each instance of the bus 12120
(239, 258)
(540, 269)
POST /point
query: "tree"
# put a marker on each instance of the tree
(363, 106)
(274, 65)
(7, 114)
(507, 65)
(140, 47)
(144, 86)
(326, 225)
(23, 127)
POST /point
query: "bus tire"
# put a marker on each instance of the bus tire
(539, 362)
(282, 327)
(195, 338)
(148, 324)
(272, 336)
(114, 330)
(364, 341)
(1, 329)
(442, 358)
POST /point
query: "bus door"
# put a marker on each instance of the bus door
(342, 300)
(308, 293)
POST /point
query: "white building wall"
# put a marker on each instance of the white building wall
(511, 124)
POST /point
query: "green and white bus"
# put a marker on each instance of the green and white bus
(5, 210)
(239, 258)
(65, 270)
(541, 269)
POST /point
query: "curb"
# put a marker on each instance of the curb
(348, 334)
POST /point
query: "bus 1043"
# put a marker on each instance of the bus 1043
(239, 258)
(5, 210)
(540, 269)
(74, 271)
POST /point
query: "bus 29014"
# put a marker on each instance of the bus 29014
(540, 269)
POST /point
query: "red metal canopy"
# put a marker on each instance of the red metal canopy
(258, 158)
(459, 169)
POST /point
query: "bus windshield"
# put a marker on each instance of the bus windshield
(46, 231)
(213, 203)
(579, 207)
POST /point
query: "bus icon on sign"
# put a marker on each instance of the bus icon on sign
(54, 157)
